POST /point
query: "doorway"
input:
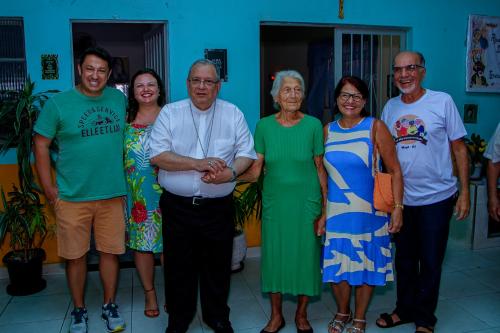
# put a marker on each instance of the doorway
(306, 49)
(132, 45)
(323, 54)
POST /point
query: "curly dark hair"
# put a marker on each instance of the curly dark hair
(358, 84)
(133, 105)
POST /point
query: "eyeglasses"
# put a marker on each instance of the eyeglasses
(344, 97)
(409, 68)
(196, 82)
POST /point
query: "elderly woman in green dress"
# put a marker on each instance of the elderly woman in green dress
(289, 145)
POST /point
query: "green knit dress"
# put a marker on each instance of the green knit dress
(291, 203)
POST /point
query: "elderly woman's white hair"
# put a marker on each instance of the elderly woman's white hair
(278, 81)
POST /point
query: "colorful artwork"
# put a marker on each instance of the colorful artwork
(410, 129)
(483, 54)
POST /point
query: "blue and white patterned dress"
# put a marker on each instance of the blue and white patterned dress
(357, 245)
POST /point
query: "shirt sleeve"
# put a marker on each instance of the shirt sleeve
(260, 146)
(48, 120)
(244, 145)
(161, 135)
(493, 149)
(454, 126)
(319, 143)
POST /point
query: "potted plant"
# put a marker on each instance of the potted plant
(476, 146)
(247, 202)
(22, 216)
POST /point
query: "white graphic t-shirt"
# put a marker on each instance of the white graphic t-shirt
(422, 132)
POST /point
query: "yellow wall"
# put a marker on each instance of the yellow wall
(8, 175)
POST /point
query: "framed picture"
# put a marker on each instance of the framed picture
(470, 113)
(219, 58)
(482, 63)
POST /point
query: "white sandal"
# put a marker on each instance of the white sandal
(354, 329)
(337, 325)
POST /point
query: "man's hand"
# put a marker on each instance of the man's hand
(210, 165)
(51, 193)
(462, 206)
(220, 177)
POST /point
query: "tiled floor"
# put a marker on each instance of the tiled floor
(470, 301)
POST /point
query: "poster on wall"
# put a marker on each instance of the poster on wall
(483, 54)
(219, 58)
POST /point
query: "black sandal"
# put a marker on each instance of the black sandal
(389, 322)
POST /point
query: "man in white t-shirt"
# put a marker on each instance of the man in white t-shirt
(427, 128)
(493, 172)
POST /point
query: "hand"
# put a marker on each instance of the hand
(210, 164)
(51, 193)
(220, 177)
(396, 221)
(462, 206)
(319, 225)
(494, 209)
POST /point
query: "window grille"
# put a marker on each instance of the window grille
(12, 56)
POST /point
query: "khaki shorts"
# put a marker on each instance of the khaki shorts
(76, 219)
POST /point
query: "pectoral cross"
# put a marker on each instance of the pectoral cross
(341, 9)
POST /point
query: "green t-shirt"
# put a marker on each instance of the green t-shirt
(89, 133)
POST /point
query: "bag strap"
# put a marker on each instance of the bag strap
(375, 154)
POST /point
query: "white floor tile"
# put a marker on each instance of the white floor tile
(458, 284)
(38, 326)
(35, 308)
(453, 318)
(484, 307)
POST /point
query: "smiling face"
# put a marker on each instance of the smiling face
(146, 90)
(203, 86)
(408, 81)
(290, 95)
(94, 73)
(350, 101)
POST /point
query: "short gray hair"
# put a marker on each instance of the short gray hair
(204, 62)
(278, 81)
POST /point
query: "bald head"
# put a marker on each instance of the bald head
(416, 54)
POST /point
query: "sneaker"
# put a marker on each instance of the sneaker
(112, 317)
(79, 319)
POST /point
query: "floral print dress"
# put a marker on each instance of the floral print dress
(144, 231)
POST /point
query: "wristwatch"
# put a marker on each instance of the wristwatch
(234, 174)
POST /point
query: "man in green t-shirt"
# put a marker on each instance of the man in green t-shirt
(87, 123)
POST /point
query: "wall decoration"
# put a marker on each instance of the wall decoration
(483, 54)
(50, 68)
(219, 58)
(470, 113)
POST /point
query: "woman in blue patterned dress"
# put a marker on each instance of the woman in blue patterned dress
(146, 96)
(357, 249)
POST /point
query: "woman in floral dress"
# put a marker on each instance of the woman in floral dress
(146, 96)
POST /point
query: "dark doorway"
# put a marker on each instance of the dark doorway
(133, 46)
(307, 49)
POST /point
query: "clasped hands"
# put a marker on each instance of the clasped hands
(215, 170)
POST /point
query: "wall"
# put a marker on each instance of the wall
(436, 28)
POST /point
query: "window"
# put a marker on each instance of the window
(368, 53)
(12, 56)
